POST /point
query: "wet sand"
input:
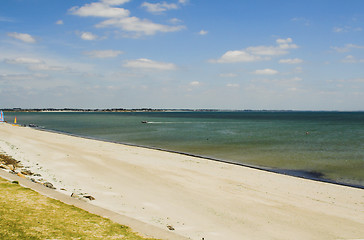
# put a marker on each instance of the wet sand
(200, 198)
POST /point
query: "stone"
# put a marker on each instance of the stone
(89, 197)
(4, 167)
(20, 175)
(170, 227)
(26, 172)
(10, 167)
(75, 195)
(49, 185)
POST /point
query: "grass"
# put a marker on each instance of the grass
(26, 214)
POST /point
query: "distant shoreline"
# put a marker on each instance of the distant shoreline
(156, 110)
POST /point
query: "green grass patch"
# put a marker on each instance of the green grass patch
(26, 214)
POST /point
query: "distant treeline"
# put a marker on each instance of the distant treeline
(78, 110)
(146, 110)
(100, 110)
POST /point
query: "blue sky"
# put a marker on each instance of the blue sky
(300, 55)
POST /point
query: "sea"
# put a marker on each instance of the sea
(325, 146)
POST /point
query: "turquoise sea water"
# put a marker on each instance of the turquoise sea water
(327, 143)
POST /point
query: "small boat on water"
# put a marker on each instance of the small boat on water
(144, 121)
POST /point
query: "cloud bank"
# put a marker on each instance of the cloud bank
(120, 18)
(144, 63)
(22, 37)
(103, 53)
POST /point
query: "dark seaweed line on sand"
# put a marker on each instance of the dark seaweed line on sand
(310, 175)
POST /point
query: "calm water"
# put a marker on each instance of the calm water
(333, 147)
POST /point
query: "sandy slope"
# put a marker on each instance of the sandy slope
(199, 198)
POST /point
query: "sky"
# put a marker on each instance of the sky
(197, 54)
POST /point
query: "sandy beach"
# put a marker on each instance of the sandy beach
(200, 198)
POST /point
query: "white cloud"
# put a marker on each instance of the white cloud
(283, 41)
(338, 29)
(237, 56)
(20, 77)
(134, 24)
(233, 85)
(291, 61)
(296, 79)
(352, 80)
(183, 1)
(120, 18)
(286, 43)
(103, 53)
(281, 49)
(349, 59)
(298, 70)
(266, 71)
(23, 60)
(115, 2)
(45, 67)
(292, 89)
(175, 20)
(88, 36)
(352, 59)
(22, 36)
(345, 29)
(100, 9)
(34, 64)
(144, 63)
(305, 21)
(195, 83)
(255, 53)
(203, 32)
(267, 50)
(228, 75)
(347, 48)
(59, 22)
(159, 7)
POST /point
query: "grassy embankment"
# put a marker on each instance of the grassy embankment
(26, 214)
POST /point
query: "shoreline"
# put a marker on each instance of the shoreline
(304, 174)
(200, 198)
(164, 110)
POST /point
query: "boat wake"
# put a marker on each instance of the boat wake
(178, 122)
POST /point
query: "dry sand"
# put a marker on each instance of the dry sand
(199, 198)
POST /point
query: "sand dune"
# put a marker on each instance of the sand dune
(199, 198)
